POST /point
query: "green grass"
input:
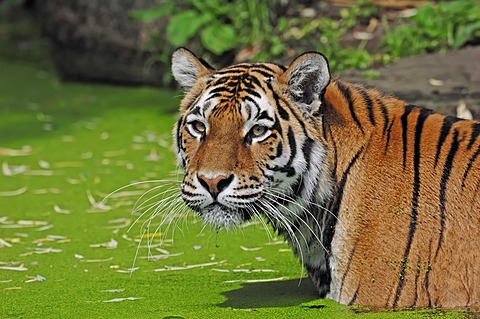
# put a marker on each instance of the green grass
(85, 139)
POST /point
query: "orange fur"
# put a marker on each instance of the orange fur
(402, 182)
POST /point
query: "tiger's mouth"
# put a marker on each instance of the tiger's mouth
(219, 216)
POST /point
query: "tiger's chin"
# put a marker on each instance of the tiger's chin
(219, 216)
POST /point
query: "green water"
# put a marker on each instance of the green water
(64, 254)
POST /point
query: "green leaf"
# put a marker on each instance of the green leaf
(465, 33)
(185, 25)
(219, 38)
(152, 14)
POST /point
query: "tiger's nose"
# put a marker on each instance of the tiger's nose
(215, 185)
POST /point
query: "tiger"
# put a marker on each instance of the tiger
(378, 198)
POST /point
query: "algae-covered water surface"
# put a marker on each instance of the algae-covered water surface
(68, 249)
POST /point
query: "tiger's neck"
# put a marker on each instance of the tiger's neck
(352, 116)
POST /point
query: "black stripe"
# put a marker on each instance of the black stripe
(427, 282)
(389, 131)
(264, 116)
(255, 104)
(265, 74)
(283, 114)
(307, 150)
(233, 71)
(385, 116)
(368, 104)
(422, 116)
(277, 126)
(334, 209)
(444, 132)
(345, 90)
(179, 133)
(218, 81)
(404, 120)
(443, 185)
(355, 295)
(223, 90)
(474, 136)
(196, 110)
(253, 92)
(264, 67)
(293, 146)
(417, 276)
(246, 196)
(347, 268)
(469, 166)
(341, 185)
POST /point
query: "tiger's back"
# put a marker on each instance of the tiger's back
(379, 199)
(409, 221)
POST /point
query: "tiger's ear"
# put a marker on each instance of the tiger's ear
(187, 68)
(307, 78)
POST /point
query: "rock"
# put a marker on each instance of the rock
(436, 81)
(95, 40)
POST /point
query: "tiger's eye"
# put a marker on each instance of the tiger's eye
(198, 126)
(258, 130)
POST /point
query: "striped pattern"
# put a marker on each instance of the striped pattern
(374, 195)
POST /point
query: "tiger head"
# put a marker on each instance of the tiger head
(248, 137)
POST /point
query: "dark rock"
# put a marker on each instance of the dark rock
(436, 81)
(95, 40)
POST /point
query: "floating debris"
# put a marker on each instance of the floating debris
(39, 251)
(247, 271)
(59, 210)
(175, 268)
(128, 270)
(252, 281)
(26, 150)
(14, 268)
(8, 170)
(69, 164)
(250, 249)
(275, 242)
(158, 257)
(122, 299)
(6, 223)
(68, 138)
(44, 164)
(43, 228)
(113, 290)
(36, 278)
(43, 191)
(39, 173)
(96, 260)
(73, 181)
(112, 244)
(16, 192)
(96, 206)
(121, 223)
(86, 155)
(153, 156)
(114, 153)
(78, 256)
(104, 136)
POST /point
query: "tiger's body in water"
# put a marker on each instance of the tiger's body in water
(379, 199)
